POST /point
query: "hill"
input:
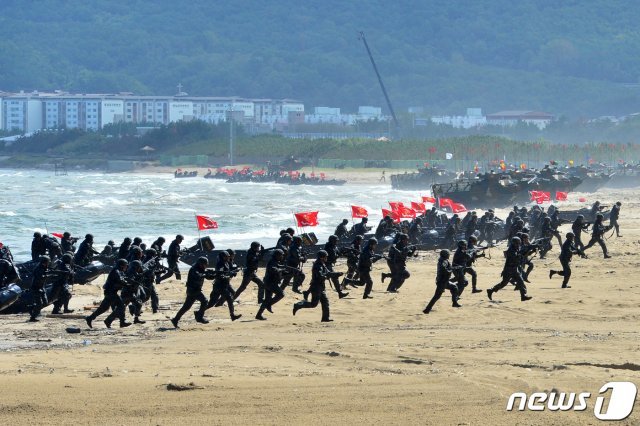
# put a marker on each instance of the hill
(564, 57)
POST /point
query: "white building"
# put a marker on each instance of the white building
(22, 113)
(180, 111)
(111, 111)
(512, 118)
(366, 113)
(474, 118)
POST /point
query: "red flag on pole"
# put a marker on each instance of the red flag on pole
(561, 196)
(395, 205)
(458, 208)
(205, 222)
(392, 214)
(431, 200)
(57, 234)
(359, 212)
(418, 207)
(445, 202)
(307, 218)
(406, 213)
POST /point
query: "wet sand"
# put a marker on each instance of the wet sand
(381, 362)
(354, 176)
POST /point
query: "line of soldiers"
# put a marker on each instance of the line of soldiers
(137, 269)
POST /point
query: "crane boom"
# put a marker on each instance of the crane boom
(375, 68)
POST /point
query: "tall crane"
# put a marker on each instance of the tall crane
(375, 68)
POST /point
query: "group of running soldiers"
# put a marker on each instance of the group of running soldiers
(138, 268)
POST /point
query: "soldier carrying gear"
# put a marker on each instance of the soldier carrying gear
(443, 282)
(511, 271)
(195, 281)
(568, 250)
(597, 235)
(272, 279)
(317, 289)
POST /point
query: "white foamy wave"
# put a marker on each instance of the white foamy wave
(8, 213)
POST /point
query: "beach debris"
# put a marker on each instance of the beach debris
(179, 388)
(73, 330)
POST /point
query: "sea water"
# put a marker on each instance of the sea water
(115, 206)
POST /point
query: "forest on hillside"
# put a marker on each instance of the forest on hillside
(567, 58)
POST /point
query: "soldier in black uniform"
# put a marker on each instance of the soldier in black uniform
(577, 227)
(341, 230)
(333, 253)
(157, 245)
(150, 265)
(222, 284)
(294, 261)
(353, 256)
(252, 261)
(472, 226)
(511, 271)
(385, 225)
(597, 234)
(595, 209)
(85, 252)
(319, 273)
(443, 282)
(109, 248)
(474, 252)
(460, 261)
(38, 247)
(40, 275)
(63, 284)
(451, 232)
(398, 254)
(272, 278)
(116, 281)
(54, 251)
(284, 243)
(431, 216)
(131, 294)
(8, 273)
(361, 228)
(546, 232)
(67, 243)
(123, 250)
(367, 258)
(527, 250)
(614, 216)
(173, 255)
(195, 281)
(568, 250)
(415, 231)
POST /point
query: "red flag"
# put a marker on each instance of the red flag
(57, 234)
(307, 219)
(540, 196)
(359, 212)
(458, 208)
(445, 202)
(561, 196)
(205, 222)
(394, 215)
(418, 207)
(395, 205)
(431, 200)
(406, 213)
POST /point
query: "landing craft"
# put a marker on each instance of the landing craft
(18, 299)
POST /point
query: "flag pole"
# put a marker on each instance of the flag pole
(198, 227)
(46, 228)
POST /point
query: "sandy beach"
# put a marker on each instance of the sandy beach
(381, 362)
(355, 176)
